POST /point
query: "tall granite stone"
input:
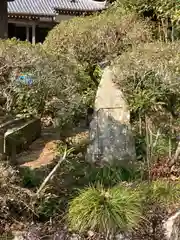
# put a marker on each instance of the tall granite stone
(111, 139)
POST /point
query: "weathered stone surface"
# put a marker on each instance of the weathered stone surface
(111, 138)
(16, 134)
(21, 135)
(5, 124)
(122, 236)
(172, 227)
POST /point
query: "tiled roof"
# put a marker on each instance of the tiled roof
(79, 5)
(49, 7)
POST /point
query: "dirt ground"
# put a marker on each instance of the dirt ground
(41, 152)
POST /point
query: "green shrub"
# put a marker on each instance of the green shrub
(54, 78)
(149, 78)
(79, 39)
(30, 178)
(166, 14)
(97, 39)
(148, 75)
(105, 210)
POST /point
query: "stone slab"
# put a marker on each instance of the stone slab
(6, 123)
(21, 136)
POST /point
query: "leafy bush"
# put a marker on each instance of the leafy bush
(155, 7)
(52, 78)
(166, 15)
(105, 210)
(78, 38)
(149, 79)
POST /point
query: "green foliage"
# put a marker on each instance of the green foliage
(48, 206)
(161, 192)
(66, 74)
(165, 13)
(162, 9)
(110, 176)
(140, 145)
(118, 208)
(54, 78)
(30, 178)
(105, 210)
(161, 148)
(149, 78)
(165, 192)
(77, 173)
(29, 100)
(78, 39)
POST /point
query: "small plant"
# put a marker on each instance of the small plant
(140, 144)
(161, 191)
(105, 210)
(49, 206)
(162, 146)
(165, 191)
(110, 176)
(30, 178)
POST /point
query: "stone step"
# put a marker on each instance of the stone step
(18, 134)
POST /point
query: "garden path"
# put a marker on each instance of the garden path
(41, 152)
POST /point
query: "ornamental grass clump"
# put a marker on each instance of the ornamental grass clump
(160, 192)
(105, 210)
(164, 192)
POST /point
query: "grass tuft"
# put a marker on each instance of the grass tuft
(161, 191)
(105, 210)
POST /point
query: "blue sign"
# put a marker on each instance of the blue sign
(26, 79)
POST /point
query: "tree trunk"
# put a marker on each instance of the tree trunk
(3, 19)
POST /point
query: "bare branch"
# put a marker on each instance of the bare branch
(52, 173)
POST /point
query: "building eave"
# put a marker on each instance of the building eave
(76, 12)
(30, 16)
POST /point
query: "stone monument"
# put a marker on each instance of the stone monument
(111, 139)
